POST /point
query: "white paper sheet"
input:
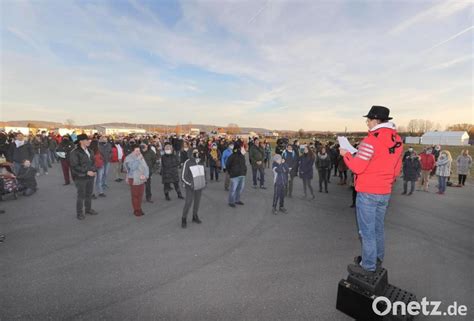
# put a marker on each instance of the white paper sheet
(344, 144)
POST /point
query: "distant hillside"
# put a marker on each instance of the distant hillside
(46, 124)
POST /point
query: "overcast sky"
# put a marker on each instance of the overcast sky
(277, 64)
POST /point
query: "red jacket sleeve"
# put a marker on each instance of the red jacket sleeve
(358, 163)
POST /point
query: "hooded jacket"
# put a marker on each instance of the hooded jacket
(194, 175)
(378, 160)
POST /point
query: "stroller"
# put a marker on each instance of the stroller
(8, 183)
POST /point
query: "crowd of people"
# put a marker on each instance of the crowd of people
(188, 163)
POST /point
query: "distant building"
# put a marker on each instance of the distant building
(116, 130)
(412, 140)
(458, 138)
(24, 130)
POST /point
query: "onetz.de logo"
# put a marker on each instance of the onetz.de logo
(383, 306)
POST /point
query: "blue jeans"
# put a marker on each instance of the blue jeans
(442, 183)
(237, 185)
(40, 161)
(371, 210)
(98, 180)
(104, 175)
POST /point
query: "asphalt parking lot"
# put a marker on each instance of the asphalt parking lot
(240, 264)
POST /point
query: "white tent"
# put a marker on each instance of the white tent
(445, 138)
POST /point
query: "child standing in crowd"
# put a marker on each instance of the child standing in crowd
(443, 170)
(280, 180)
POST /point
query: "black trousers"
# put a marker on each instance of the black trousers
(324, 174)
(85, 186)
(168, 188)
(279, 195)
(354, 195)
(462, 179)
(191, 196)
(307, 184)
(405, 186)
(261, 173)
(148, 188)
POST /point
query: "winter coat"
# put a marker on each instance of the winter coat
(136, 167)
(27, 177)
(235, 165)
(194, 175)
(169, 168)
(427, 161)
(256, 154)
(150, 159)
(411, 169)
(305, 167)
(53, 144)
(40, 146)
(291, 160)
(280, 173)
(217, 161)
(443, 166)
(323, 161)
(341, 166)
(19, 154)
(81, 163)
(377, 162)
(106, 150)
(64, 149)
(184, 156)
(464, 163)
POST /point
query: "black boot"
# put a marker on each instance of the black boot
(180, 196)
(196, 220)
(167, 196)
(183, 223)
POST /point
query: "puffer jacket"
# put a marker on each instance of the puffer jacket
(169, 168)
(443, 165)
(378, 161)
(194, 174)
(411, 169)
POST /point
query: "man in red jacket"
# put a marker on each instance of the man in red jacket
(376, 165)
(428, 163)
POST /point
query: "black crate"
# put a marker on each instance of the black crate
(356, 302)
(374, 285)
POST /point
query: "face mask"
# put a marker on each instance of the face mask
(410, 149)
(195, 155)
(167, 151)
(231, 147)
(28, 164)
(242, 150)
(186, 149)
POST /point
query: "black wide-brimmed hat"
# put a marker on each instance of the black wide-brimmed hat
(379, 112)
(82, 137)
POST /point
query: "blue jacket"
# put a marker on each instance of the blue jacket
(225, 156)
(280, 173)
(306, 167)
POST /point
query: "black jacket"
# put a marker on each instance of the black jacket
(19, 154)
(66, 146)
(411, 169)
(235, 165)
(169, 168)
(150, 159)
(27, 177)
(322, 163)
(80, 163)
